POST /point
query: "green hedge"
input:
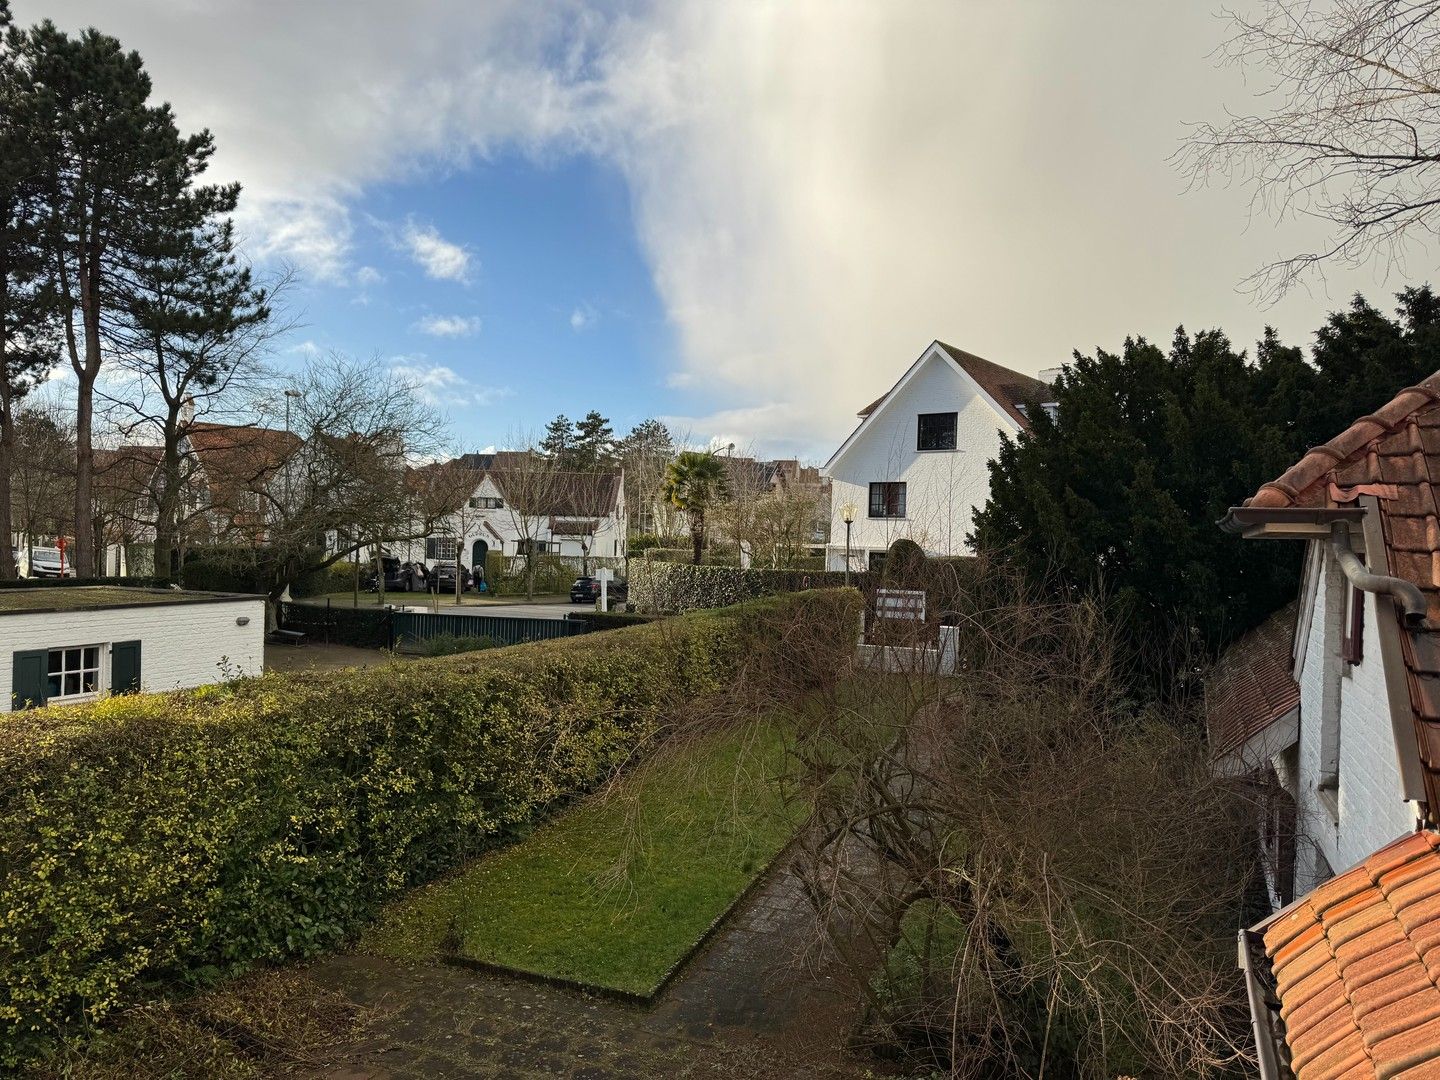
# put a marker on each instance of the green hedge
(337, 577)
(70, 582)
(671, 588)
(157, 838)
(610, 620)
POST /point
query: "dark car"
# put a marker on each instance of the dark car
(586, 590)
(441, 578)
(394, 579)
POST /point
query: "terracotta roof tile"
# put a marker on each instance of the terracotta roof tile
(1354, 968)
(1398, 445)
(1252, 686)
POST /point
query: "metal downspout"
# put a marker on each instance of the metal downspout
(1266, 1052)
(1405, 593)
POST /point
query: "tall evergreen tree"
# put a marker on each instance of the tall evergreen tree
(29, 347)
(118, 181)
(594, 444)
(558, 438)
(1122, 490)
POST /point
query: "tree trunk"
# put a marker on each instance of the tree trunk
(697, 536)
(8, 570)
(83, 555)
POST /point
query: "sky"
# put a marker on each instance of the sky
(746, 218)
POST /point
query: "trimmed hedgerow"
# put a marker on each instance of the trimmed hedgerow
(160, 838)
(671, 588)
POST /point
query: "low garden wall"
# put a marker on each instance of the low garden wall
(156, 839)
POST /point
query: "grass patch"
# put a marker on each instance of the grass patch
(615, 892)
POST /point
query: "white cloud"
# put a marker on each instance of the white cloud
(438, 257)
(368, 276)
(306, 348)
(582, 318)
(448, 326)
(442, 386)
(820, 187)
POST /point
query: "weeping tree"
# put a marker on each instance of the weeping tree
(695, 483)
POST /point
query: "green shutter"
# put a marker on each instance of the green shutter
(430, 549)
(27, 686)
(124, 667)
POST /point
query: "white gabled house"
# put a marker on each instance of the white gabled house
(915, 467)
(580, 515)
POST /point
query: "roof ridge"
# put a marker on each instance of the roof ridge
(957, 353)
(1287, 488)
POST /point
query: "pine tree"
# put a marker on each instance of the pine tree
(29, 347)
(594, 444)
(118, 182)
(559, 437)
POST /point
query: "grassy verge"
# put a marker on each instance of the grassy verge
(615, 892)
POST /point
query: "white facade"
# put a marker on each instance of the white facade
(941, 487)
(1343, 772)
(182, 644)
(489, 520)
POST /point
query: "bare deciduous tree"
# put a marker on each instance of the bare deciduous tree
(1349, 131)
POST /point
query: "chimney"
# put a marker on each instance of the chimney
(187, 411)
(1049, 375)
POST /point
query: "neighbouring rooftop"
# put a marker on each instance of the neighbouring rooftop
(22, 601)
(1252, 686)
(1355, 966)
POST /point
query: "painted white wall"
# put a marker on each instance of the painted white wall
(181, 645)
(942, 486)
(1367, 811)
(498, 528)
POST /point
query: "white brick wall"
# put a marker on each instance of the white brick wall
(1371, 811)
(181, 644)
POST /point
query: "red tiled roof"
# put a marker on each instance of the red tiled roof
(1356, 965)
(1394, 453)
(1253, 685)
(1010, 389)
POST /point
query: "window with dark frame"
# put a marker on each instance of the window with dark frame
(936, 431)
(887, 499)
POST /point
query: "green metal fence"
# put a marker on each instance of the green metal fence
(415, 626)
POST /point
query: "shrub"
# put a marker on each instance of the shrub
(451, 644)
(152, 838)
(70, 582)
(337, 577)
(365, 628)
(671, 588)
(610, 620)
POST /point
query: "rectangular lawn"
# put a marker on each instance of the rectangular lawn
(615, 891)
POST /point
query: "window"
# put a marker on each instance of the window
(487, 502)
(440, 549)
(887, 500)
(524, 547)
(72, 672)
(936, 431)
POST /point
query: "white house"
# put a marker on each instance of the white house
(915, 467)
(62, 645)
(1358, 757)
(575, 514)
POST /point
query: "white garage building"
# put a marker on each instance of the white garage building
(63, 645)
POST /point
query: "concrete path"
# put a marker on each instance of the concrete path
(742, 1008)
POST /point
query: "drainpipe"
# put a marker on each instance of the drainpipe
(1405, 593)
(1267, 1055)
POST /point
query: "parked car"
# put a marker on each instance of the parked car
(442, 578)
(586, 590)
(394, 579)
(46, 563)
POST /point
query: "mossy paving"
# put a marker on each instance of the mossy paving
(741, 1008)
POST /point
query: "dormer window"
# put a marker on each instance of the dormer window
(937, 431)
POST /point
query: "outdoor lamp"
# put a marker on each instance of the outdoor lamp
(847, 515)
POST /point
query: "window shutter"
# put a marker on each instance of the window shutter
(124, 667)
(27, 687)
(430, 548)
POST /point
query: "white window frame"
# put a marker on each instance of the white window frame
(101, 668)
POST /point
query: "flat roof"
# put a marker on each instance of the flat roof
(31, 601)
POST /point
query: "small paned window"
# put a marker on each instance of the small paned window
(887, 499)
(937, 431)
(72, 672)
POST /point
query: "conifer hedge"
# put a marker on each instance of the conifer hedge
(160, 838)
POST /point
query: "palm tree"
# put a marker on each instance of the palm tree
(695, 482)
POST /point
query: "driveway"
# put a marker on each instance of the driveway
(556, 608)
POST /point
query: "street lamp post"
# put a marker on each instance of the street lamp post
(847, 515)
